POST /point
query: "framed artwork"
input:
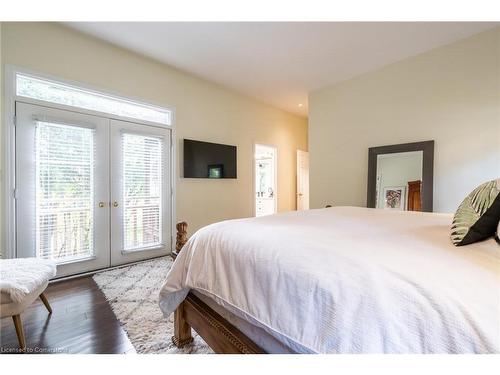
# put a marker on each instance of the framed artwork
(395, 197)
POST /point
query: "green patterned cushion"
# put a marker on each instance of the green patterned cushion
(477, 216)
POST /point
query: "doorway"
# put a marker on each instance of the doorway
(265, 172)
(92, 192)
(302, 180)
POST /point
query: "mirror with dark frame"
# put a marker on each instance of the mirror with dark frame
(400, 177)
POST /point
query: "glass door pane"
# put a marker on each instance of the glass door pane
(63, 188)
(142, 167)
(140, 192)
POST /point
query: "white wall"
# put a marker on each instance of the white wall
(450, 95)
(204, 111)
(397, 170)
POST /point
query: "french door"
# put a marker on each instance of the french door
(140, 179)
(91, 192)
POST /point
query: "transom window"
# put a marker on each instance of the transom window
(58, 93)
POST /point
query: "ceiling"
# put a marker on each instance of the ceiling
(279, 63)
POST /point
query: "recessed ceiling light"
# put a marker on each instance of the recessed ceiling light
(301, 105)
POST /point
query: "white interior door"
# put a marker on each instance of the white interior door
(302, 180)
(141, 192)
(62, 188)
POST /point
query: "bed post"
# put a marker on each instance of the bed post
(181, 237)
(182, 330)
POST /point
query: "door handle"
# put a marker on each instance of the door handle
(115, 204)
(102, 204)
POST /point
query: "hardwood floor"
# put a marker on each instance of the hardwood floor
(82, 322)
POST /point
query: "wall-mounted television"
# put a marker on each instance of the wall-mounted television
(209, 160)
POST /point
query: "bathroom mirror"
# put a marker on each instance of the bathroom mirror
(400, 177)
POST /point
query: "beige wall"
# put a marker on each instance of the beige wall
(203, 110)
(1, 145)
(450, 94)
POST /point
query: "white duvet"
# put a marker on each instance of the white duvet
(348, 280)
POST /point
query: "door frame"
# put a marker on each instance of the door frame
(254, 202)
(8, 246)
(119, 255)
(297, 180)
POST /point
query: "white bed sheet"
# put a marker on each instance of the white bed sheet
(348, 280)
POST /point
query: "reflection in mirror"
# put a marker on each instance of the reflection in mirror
(399, 181)
(400, 177)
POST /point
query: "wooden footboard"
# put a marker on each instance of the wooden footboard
(217, 332)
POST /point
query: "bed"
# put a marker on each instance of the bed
(336, 280)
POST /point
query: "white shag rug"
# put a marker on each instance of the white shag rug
(132, 292)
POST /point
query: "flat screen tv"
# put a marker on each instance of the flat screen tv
(209, 160)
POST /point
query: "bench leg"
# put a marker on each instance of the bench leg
(182, 330)
(19, 331)
(46, 303)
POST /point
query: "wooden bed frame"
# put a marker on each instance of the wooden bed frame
(193, 313)
(217, 332)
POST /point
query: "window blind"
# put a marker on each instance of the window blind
(142, 190)
(64, 162)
